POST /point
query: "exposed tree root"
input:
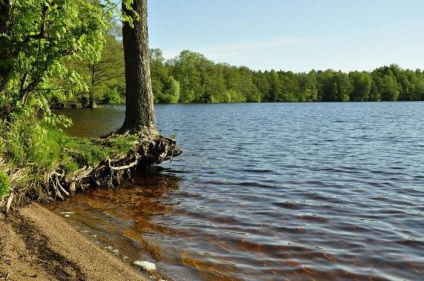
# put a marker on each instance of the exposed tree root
(110, 172)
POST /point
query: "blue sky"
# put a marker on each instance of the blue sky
(296, 35)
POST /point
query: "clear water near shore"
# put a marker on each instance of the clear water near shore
(311, 191)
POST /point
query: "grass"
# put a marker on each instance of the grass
(33, 144)
(4, 185)
(90, 152)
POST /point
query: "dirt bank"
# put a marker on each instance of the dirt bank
(36, 244)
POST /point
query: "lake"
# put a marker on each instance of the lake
(279, 191)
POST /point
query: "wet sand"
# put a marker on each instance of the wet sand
(36, 244)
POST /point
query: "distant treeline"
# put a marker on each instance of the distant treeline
(192, 78)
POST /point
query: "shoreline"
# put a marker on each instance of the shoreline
(37, 244)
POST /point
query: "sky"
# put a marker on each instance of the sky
(292, 35)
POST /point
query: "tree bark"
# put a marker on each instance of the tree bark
(139, 114)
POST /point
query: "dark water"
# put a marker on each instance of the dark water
(313, 191)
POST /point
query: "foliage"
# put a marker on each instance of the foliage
(170, 91)
(37, 38)
(202, 81)
(104, 77)
(113, 96)
(4, 184)
(32, 142)
(361, 86)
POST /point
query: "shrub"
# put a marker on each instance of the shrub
(113, 96)
(33, 142)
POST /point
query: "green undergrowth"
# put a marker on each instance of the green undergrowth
(32, 148)
(80, 152)
(4, 184)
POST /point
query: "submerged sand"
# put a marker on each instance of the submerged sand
(36, 244)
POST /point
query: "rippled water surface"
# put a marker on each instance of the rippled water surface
(313, 191)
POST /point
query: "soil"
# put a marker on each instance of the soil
(36, 244)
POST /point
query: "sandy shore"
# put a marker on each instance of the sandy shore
(36, 244)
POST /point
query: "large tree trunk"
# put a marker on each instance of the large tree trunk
(139, 114)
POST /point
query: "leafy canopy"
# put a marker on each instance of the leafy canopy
(37, 38)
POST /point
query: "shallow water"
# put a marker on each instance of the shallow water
(312, 191)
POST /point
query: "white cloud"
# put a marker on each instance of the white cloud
(237, 50)
(251, 45)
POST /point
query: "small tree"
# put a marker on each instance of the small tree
(107, 72)
(361, 86)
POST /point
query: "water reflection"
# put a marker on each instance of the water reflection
(94, 122)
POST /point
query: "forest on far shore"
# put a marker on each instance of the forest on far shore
(192, 78)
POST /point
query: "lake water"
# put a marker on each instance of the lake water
(282, 191)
